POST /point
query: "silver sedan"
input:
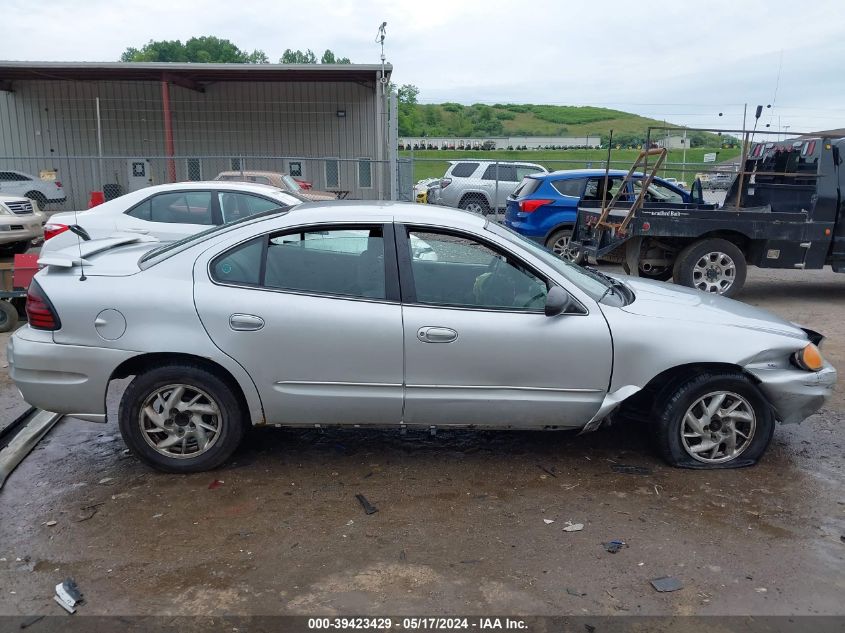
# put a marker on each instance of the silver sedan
(326, 314)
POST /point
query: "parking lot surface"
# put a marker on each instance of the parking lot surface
(468, 522)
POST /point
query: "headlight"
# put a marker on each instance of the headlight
(809, 358)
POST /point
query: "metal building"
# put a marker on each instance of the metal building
(116, 127)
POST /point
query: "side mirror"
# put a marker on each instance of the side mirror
(697, 192)
(557, 301)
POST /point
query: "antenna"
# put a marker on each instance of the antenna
(82, 276)
(382, 33)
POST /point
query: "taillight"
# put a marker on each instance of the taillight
(52, 230)
(445, 182)
(39, 311)
(58, 183)
(529, 206)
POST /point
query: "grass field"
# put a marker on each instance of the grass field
(434, 163)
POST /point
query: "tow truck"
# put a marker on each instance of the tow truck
(784, 209)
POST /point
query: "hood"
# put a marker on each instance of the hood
(668, 301)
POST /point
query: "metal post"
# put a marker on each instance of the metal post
(496, 194)
(169, 148)
(393, 146)
(684, 159)
(99, 146)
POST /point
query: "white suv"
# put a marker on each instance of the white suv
(17, 183)
(20, 223)
(483, 185)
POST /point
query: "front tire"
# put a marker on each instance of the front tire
(712, 265)
(712, 420)
(181, 419)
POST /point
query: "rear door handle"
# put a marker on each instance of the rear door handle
(245, 322)
(436, 334)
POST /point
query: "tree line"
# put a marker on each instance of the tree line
(209, 49)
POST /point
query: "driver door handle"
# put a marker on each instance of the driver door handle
(245, 322)
(436, 335)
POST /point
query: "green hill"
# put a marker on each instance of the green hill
(479, 120)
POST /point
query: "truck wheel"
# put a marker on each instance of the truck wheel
(558, 243)
(474, 203)
(712, 265)
(8, 316)
(712, 420)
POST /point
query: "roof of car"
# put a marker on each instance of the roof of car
(251, 172)
(582, 173)
(407, 212)
(489, 161)
(239, 185)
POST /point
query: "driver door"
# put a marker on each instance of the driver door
(479, 349)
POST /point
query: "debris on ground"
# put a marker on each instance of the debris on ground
(573, 527)
(30, 621)
(627, 469)
(547, 470)
(666, 584)
(575, 592)
(760, 589)
(105, 480)
(368, 507)
(87, 512)
(68, 595)
(51, 523)
(548, 521)
(214, 485)
(614, 546)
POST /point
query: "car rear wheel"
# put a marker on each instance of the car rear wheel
(559, 244)
(713, 420)
(8, 316)
(181, 419)
(711, 265)
(474, 204)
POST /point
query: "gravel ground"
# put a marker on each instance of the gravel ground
(468, 522)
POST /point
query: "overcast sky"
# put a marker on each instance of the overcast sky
(676, 60)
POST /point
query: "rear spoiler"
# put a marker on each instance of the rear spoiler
(75, 255)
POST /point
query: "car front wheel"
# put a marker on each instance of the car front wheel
(713, 420)
(559, 244)
(181, 419)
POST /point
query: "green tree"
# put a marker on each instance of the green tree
(407, 94)
(207, 49)
(329, 58)
(298, 57)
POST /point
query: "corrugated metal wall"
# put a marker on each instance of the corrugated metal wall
(53, 125)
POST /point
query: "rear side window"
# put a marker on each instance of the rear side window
(190, 207)
(464, 170)
(570, 187)
(526, 187)
(336, 261)
(235, 205)
(500, 172)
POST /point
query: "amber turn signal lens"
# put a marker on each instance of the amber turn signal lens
(810, 358)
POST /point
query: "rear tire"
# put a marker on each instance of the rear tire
(688, 436)
(712, 265)
(196, 429)
(558, 243)
(475, 203)
(8, 316)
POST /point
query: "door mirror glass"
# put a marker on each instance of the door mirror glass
(557, 301)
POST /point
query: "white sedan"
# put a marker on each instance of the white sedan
(167, 212)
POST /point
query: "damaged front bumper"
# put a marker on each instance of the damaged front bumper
(795, 394)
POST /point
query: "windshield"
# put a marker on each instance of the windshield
(291, 183)
(590, 282)
(171, 248)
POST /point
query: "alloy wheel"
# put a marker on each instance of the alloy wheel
(180, 421)
(714, 272)
(718, 427)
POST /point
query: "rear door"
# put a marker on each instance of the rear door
(478, 348)
(313, 315)
(171, 216)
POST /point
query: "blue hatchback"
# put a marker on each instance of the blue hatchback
(544, 206)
